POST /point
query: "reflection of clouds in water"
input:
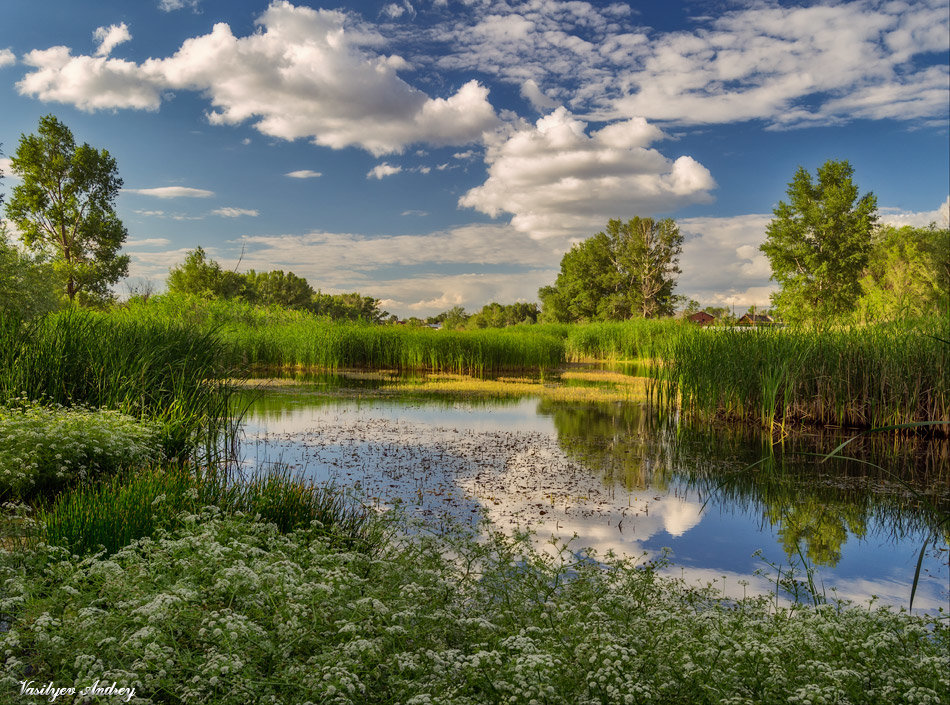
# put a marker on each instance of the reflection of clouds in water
(455, 463)
(680, 516)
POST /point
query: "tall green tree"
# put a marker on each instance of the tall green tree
(818, 244)
(628, 270)
(279, 288)
(65, 208)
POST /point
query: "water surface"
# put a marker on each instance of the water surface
(727, 502)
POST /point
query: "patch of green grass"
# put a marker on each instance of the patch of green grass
(111, 514)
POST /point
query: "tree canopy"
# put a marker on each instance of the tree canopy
(908, 274)
(65, 209)
(819, 243)
(628, 270)
(202, 276)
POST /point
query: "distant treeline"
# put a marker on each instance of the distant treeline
(201, 276)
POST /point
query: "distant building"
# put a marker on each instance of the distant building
(702, 318)
(756, 319)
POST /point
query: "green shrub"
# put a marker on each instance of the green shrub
(43, 449)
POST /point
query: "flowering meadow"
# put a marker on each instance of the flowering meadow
(227, 609)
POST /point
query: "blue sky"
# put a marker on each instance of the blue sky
(435, 153)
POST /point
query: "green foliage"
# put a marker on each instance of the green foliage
(199, 276)
(161, 370)
(29, 286)
(230, 611)
(276, 288)
(202, 277)
(347, 307)
(43, 449)
(908, 274)
(65, 209)
(626, 271)
(818, 244)
(495, 315)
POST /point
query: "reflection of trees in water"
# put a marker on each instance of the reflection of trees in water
(331, 391)
(623, 443)
(814, 505)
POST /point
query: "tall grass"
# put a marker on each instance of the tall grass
(626, 340)
(166, 371)
(869, 376)
(111, 514)
(276, 337)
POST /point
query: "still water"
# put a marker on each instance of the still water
(731, 506)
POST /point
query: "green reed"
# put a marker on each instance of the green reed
(624, 340)
(277, 337)
(855, 377)
(129, 506)
(165, 371)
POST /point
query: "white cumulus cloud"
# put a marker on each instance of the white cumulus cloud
(7, 58)
(304, 74)
(171, 192)
(110, 37)
(555, 179)
(383, 170)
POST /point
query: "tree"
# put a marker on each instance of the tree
(65, 208)
(908, 274)
(347, 307)
(201, 276)
(277, 288)
(27, 286)
(818, 244)
(628, 270)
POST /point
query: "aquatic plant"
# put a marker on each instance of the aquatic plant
(863, 377)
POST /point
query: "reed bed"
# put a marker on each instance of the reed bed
(165, 371)
(626, 340)
(862, 377)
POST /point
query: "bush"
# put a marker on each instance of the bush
(43, 449)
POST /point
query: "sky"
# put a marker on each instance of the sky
(435, 153)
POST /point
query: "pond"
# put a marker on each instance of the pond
(729, 505)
